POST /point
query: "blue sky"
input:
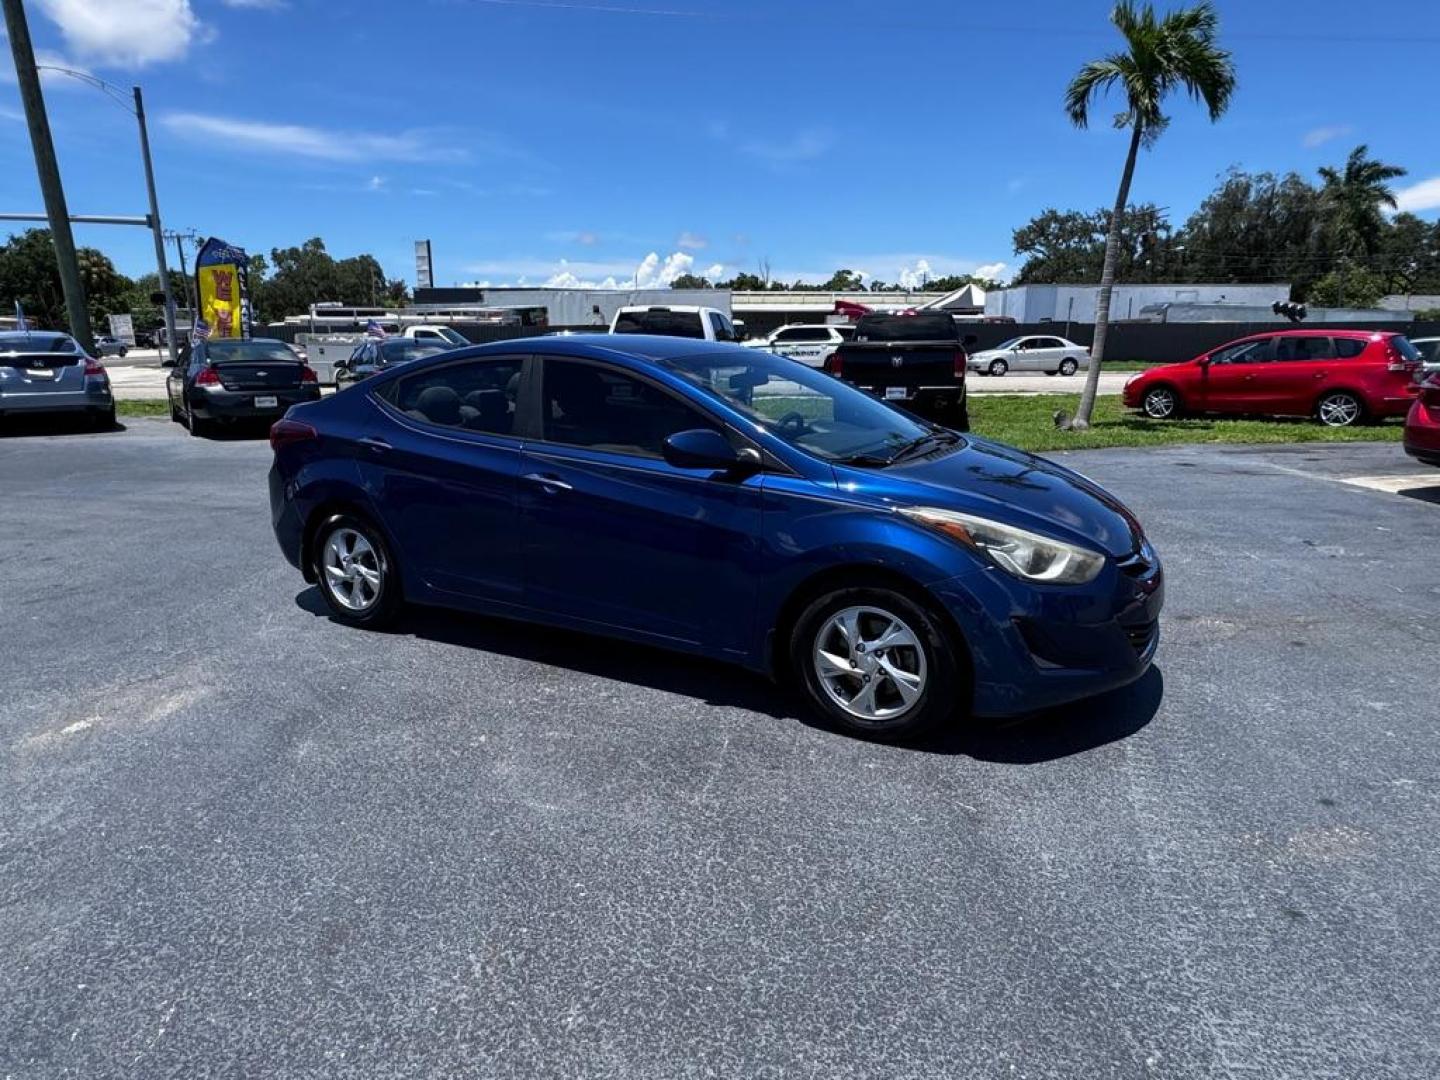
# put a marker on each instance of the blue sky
(584, 140)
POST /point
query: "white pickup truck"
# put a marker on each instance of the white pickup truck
(701, 323)
(810, 343)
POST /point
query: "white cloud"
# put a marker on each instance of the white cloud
(1322, 135)
(1422, 196)
(993, 271)
(262, 5)
(805, 146)
(130, 34)
(652, 272)
(716, 272)
(913, 277)
(312, 142)
(692, 242)
(375, 183)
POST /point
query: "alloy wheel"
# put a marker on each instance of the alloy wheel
(998, 367)
(1160, 404)
(1068, 367)
(870, 663)
(352, 570)
(1339, 410)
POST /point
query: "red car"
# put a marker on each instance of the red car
(1340, 377)
(1422, 426)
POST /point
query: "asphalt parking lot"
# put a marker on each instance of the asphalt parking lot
(238, 839)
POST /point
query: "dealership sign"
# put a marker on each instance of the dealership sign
(222, 282)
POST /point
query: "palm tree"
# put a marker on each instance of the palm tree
(1161, 55)
(1353, 200)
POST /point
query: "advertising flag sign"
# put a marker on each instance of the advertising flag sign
(222, 283)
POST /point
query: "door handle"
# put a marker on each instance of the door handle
(549, 483)
(375, 443)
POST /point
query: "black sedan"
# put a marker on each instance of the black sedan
(380, 354)
(230, 380)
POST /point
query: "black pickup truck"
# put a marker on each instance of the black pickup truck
(914, 361)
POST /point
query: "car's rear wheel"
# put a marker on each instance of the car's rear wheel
(1339, 409)
(1068, 367)
(875, 663)
(357, 575)
(197, 427)
(998, 367)
(1161, 403)
(104, 421)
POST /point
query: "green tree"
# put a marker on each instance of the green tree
(1069, 247)
(1348, 286)
(690, 281)
(1161, 55)
(1354, 199)
(1255, 227)
(842, 281)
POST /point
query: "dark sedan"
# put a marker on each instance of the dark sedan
(379, 354)
(232, 380)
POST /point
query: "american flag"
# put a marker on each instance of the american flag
(199, 332)
(374, 329)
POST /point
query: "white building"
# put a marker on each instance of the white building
(1076, 303)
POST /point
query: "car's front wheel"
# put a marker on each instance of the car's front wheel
(357, 575)
(1161, 403)
(876, 663)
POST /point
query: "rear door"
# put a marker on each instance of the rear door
(617, 537)
(440, 461)
(1305, 365)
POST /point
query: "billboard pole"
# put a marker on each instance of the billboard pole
(155, 229)
(49, 173)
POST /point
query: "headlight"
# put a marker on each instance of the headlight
(1024, 554)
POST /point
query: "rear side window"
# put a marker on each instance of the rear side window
(1347, 348)
(684, 324)
(805, 333)
(476, 396)
(603, 409)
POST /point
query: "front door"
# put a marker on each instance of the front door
(615, 536)
(440, 461)
(1234, 379)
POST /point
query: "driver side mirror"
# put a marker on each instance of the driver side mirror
(704, 448)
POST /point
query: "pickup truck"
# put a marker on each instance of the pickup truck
(914, 361)
(679, 320)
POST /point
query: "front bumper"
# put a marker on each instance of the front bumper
(240, 404)
(1036, 647)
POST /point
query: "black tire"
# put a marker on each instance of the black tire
(104, 421)
(997, 368)
(941, 673)
(1339, 409)
(198, 428)
(384, 608)
(175, 417)
(1161, 403)
(1068, 367)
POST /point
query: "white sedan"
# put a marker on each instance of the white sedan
(1052, 355)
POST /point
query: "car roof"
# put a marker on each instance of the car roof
(1301, 332)
(31, 335)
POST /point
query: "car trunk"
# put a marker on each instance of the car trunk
(259, 374)
(881, 366)
(41, 372)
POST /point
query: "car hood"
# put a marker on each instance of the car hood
(988, 354)
(996, 481)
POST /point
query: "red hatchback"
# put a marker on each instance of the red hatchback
(1340, 377)
(1422, 426)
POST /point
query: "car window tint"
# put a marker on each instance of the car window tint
(477, 396)
(1244, 352)
(661, 321)
(1301, 349)
(604, 409)
(720, 327)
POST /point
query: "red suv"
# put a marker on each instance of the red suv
(1340, 377)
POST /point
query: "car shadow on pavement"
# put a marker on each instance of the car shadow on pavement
(1038, 737)
(1424, 494)
(21, 426)
(711, 681)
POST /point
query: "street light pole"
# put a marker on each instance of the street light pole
(49, 172)
(155, 229)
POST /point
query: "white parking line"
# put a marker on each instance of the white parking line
(1394, 485)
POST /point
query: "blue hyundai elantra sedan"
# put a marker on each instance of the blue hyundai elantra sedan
(727, 502)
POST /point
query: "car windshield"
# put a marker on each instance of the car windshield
(399, 351)
(1008, 344)
(807, 408)
(248, 352)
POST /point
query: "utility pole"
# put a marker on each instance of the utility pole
(49, 172)
(156, 231)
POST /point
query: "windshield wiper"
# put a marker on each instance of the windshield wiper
(925, 443)
(866, 461)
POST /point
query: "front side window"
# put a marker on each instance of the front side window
(1243, 352)
(600, 408)
(808, 409)
(476, 396)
